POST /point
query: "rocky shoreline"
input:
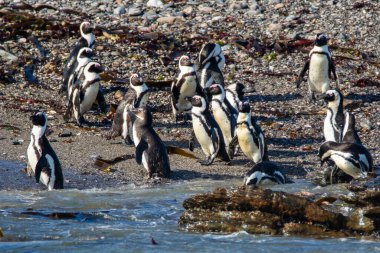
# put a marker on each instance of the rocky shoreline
(265, 44)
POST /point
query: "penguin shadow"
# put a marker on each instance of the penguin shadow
(364, 97)
(183, 174)
(291, 153)
(107, 90)
(273, 98)
(286, 143)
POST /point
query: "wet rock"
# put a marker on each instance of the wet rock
(298, 229)
(358, 222)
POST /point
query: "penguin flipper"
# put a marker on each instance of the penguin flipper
(140, 148)
(302, 73)
(41, 165)
(101, 101)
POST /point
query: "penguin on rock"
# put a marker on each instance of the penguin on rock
(320, 67)
(150, 150)
(334, 122)
(83, 95)
(186, 85)
(42, 160)
(207, 131)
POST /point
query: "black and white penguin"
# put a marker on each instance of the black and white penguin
(211, 61)
(87, 39)
(212, 50)
(235, 94)
(265, 173)
(186, 85)
(349, 132)
(224, 114)
(83, 95)
(352, 158)
(207, 131)
(320, 66)
(250, 136)
(76, 69)
(42, 159)
(334, 121)
(150, 150)
(136, 97)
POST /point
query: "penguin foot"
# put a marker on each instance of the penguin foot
(128, 141)
(191, 145)
(205, 162)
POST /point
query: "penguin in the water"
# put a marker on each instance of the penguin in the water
(207, 131)
(349, 132)
(76, 69)
(224, 114)
(83, 95)
(249, 135)
(212, 50)
(186, 85)
(352, 158)
(87, 39)
(334, 121)
(265, 173)
(210, 64)
(136, 97)
(320, 66)
(42, 159)
(150, 150)
(235, 94)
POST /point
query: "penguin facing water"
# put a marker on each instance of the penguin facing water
(334, 121)
(150, 150)
(42, 160)
(320, 67)
(207, 131)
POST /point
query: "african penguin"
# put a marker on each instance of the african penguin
(136, 96)
(185, 86)
(320, 66)
(150, 150)
(249, 135)
(42, 159)
(207, 131)
(83, 95)
(76, 69)
(210, 64)
(349, 132)
(224, 114)
(352, 158)
(265, 173)
(87, 39)
(235, 94)
(212, 50)
(334, 121)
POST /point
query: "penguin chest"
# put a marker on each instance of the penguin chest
(247, 143)
(223, 121)
(89, 97)
(203, 138)
(48, 174)
(136, 141)
(126, 122)
(328, 128)
(188, 87)
(319, 80)
(143, 100)
(34, 154)
(345, 162)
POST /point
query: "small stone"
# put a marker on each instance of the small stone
(119, 10)
(155, 3)
(188, 10)
(366, 125)
(22, 40)
(275, 27)
(168, 20)
(134, 11)
(8, 57)
(290, 18)
(17, 142)
(205, 9)
(279, 6)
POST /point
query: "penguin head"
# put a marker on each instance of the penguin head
(333, 97)
(244, 107)
(198, 103)
(141, 116)
(93, 68)
(86, 27)
(320, 40)
(215, 90)
(208, 51)
(39, 119)
(85, 53)
(185, 61)
(136, 80)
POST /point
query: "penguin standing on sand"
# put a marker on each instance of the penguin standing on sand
(185, 86)
(224, 114)
(136, 97)
(334, 121)
(320, 66)
(83, 95)
(42, 159)
(211, 61)
(87, 39)
(352, 158)
(207, 131)
(249, 135)
(264, 173)
(150, 150)
(235, 94)
(349, 132)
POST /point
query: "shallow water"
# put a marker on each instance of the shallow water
(125, 220)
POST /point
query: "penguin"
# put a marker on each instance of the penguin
(249, 135)
(150, 150)
(83, 95)
(87, 39)
(42, 159)
(235, 94)
(265, 172)
(76, 69)
(224, 114)
(136, 97)
(320, 66)
(186, 85)
(207, 131)
(352, 158)
(334, 121)
(212, 50)
(349, 132)
(210, 73)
